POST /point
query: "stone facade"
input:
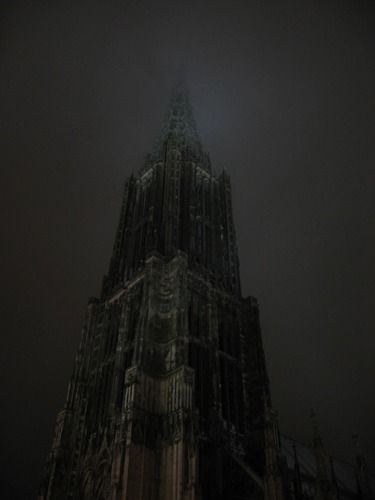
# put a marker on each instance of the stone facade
(169, 399)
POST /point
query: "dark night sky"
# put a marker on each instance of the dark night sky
(283, 94)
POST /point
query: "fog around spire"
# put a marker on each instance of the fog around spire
(179, 130)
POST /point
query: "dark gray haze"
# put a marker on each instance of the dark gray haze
(283, 94)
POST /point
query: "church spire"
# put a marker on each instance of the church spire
(334, 478)
(321, 469)
(179, 131)
(168, 383)
(273, 484)
(297, 475)
(323, 484)
(364, 485)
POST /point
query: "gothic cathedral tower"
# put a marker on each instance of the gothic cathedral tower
(169, 397)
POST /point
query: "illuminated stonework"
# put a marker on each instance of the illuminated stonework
(169, 398)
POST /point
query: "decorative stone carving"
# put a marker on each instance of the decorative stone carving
(131, 376)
